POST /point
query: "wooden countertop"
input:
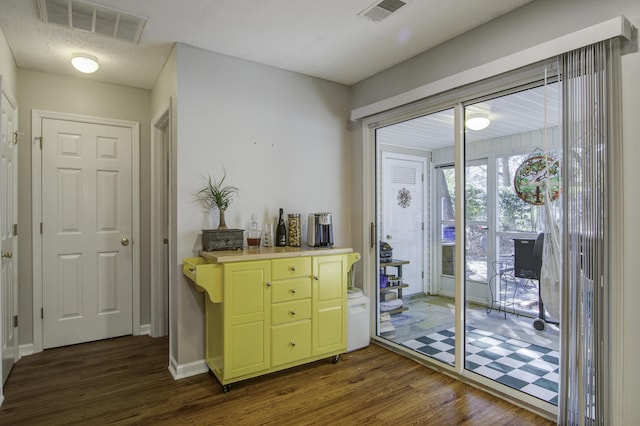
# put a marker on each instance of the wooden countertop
(263, 253)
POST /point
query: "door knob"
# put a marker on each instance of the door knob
(388, 237)
(124, 241)
(7, 254)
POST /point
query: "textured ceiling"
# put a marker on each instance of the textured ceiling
(325, 38)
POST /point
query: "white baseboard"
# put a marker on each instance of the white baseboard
(187, 370)
(145, 329)
(25, 350)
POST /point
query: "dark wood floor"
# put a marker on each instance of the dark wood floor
(126, 381)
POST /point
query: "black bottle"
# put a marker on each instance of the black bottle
(281, 232)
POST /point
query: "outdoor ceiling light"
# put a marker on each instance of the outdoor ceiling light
(85, 63)
(478, 121)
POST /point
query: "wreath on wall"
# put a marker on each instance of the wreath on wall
(533, 175)
(404, 198)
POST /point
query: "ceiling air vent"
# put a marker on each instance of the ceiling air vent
(85, 16)
(381, 10)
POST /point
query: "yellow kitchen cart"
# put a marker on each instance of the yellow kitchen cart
(268, 309)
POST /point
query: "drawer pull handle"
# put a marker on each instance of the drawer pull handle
(292, 312)
(293, 291)
(293, 268)
(293, 343)
(268, 283)
(316, 278)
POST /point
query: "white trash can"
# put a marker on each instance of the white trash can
(357, 322)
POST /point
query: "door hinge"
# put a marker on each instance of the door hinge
(42, 313)
(165, 241)
(372, 235)
(41, 227)
(15, 321)
(15, 229)
(422, 225)
(39, 139)
(423, 275)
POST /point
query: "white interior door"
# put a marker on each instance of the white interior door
(87, 227)
(403, 195)
(8, 231)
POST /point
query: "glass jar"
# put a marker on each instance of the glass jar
(295, 230)
(253, 233)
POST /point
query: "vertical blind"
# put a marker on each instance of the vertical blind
(590, 80)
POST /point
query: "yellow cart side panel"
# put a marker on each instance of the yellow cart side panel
(207, 277)
(214, 343)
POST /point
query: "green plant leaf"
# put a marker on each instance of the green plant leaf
(215, 193)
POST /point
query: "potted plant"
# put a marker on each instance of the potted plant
(216, 194)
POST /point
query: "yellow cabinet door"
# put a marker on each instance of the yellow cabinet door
(329, 304)
(247, 296)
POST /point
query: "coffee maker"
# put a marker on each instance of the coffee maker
(320, 230)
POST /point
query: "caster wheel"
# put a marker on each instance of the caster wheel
(226, 388)
(335, 359)
(539, 324)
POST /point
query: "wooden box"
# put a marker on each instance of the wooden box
(219, 239)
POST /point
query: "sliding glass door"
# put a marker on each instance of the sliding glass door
(484, 318)
(512, 200)
(415, 220)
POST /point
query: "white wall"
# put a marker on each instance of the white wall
(282, 138)
(163, 95)
(537, 22)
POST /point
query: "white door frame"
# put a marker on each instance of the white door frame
(161, 131)
(36, 193)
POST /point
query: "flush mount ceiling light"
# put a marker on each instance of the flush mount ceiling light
(85, 63)
(478, 121)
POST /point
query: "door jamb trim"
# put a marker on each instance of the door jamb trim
(159, 294)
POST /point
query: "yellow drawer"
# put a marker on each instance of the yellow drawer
(293, 289)
(290, 342)
(290, 311)
(290, 268)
